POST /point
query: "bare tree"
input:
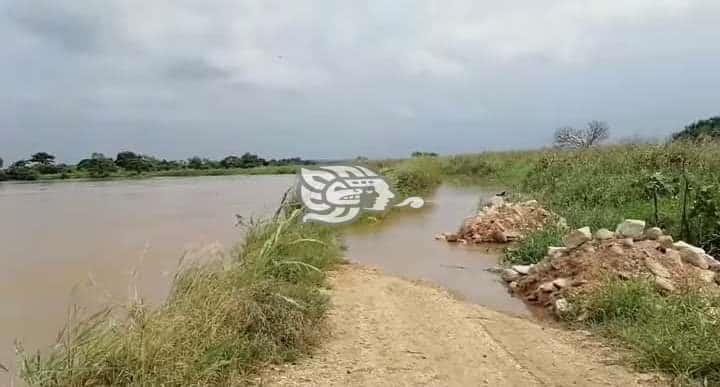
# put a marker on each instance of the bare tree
(571, 138)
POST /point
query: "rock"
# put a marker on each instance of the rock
(578, 237)
(664, 284)
(713, 264)
(603, 234)
(451, 237)
(513, 285)
(522, 269)
(556, 251)
(692, 254)
(547, 286)
(495, 269)
(499, 236)
(628, 242)
(509, 275)
(530, 203)
(562, 307)
(656, 268)
(666, 241)
(653, 233)
(631, 228)
(561, 283)
(617, 250)
(717, 278)
(588, 249)
(707, 276)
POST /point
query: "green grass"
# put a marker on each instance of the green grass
(678, 334)
(221, 322)
(534, 247)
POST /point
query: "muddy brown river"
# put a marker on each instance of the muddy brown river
(79, 243)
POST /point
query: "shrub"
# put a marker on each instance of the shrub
(534, 247)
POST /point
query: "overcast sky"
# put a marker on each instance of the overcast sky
(333, 79)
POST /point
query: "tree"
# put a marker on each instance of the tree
(1, 162)
(195, 163)
(98, 165)
(231, 162)
(43, 158)
(570, 138)
(709, 128)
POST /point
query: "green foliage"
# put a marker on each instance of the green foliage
(21, 171)
(709, 128)
(468, 165)
(424, 154)
(221, 321)
(98, 165)
(416, 176)
(43, 158)
(678, 334)
(534, 247)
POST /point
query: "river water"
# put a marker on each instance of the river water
(66, 243)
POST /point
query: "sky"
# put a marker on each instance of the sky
(344, 78)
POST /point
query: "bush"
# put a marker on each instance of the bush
(417, 176)
(678, 334)
(534, 247)
(220, 322)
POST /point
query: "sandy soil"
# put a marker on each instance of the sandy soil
(389, 331)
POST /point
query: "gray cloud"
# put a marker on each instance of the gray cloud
(343, 78)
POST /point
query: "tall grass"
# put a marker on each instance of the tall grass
(220, 322)
(678, 334)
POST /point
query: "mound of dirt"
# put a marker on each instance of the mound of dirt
(570, 271)
(500, 222)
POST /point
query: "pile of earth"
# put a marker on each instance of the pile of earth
(631, 252)
(500, 222)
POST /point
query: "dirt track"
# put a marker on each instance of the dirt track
(389, 331)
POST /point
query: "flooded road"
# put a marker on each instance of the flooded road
(403, 245)
(70, 243)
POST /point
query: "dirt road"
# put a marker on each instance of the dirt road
(390, 331)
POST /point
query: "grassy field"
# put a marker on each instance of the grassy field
(225, 318)
(675, 186)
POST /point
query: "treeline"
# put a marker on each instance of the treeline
(127, 163)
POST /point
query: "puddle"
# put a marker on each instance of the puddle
(403, 245)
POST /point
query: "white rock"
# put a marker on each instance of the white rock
(561, 283)
(578, 237)
(556, 251)
(495, 201)
(522, 269)
(513, 285)
(664, 284)
(713, 264)
(530, 203)
(666, 241)
(653, 233)
(692, 254)
(631, 228)
(656, 268)
(547, 286)
(603, 234)
(509, 275)
(562, 306)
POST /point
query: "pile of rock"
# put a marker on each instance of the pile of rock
(500, 222)
(631, 252)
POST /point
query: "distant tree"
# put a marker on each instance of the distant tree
(195, 163)
(231, 162)
(1, 162)
(709, 128)
(43, 158)
(98, 165)
(424, 154)
(20, 170)
(124, 158)
(249, 160)
(135, 162)
(571, 138)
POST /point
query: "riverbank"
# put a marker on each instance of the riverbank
(225, 317)
(670, 186)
